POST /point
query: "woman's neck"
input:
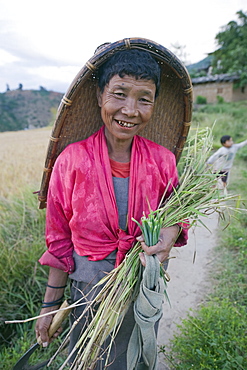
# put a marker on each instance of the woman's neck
(119, 150)
(119, 154)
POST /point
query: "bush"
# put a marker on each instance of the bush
(220, 99)
(201, 99)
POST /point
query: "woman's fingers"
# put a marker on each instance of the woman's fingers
(162, 249)
(57, 333)
(142, 258)
(41, 329)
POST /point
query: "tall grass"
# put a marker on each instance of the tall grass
(22, 279)
(22, 282)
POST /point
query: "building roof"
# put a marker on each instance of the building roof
(214, 78)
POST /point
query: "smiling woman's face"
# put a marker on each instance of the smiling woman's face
(126, 105)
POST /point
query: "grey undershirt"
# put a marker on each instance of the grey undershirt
(121, 187)
(93, 271)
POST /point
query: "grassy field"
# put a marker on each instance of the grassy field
(22, 156)
(215, 339)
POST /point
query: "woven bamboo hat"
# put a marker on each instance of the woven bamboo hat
(79, 116)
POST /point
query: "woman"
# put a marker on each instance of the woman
(100, 183)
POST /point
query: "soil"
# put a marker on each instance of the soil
(189, 281)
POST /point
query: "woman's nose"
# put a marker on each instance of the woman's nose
(130, 108)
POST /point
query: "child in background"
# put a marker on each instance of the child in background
(222, 159)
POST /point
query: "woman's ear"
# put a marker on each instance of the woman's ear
(99, 96)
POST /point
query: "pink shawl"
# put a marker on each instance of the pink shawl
(82, 213)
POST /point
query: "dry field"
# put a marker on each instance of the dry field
(22, 158)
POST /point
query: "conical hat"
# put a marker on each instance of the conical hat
(79, 115)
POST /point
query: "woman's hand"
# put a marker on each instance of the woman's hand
(52, 301)
(42, 327)
(167, 239)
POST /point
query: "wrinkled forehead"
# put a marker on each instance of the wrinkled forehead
(127, 81)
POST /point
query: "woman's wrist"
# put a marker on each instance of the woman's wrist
(56, 302)
(48, 310)
(56, 287)
(53, 297)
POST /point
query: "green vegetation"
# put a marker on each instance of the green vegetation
(220, 99)
(227, 118)
(201, 100)
(22, 279)
(214, 337)
(21, 237)
(231, 54)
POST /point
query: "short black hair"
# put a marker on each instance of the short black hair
(225, 138)
(134, 62)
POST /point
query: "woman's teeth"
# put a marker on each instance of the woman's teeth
(125, 124)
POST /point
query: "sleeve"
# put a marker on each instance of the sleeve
(241, 145)
(58, 234)
(183, 236)
(214, 157)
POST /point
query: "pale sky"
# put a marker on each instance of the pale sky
(45, 43)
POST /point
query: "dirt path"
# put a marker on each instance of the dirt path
(188, 284)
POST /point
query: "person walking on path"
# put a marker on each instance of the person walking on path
(222, 159)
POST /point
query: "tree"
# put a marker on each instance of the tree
(179, 51)
(231, 57)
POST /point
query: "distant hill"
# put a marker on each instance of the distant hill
(27, 109)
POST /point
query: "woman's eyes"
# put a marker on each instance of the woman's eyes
(123, 95)
(145, 100)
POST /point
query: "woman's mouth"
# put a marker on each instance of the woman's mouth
(125, 124)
